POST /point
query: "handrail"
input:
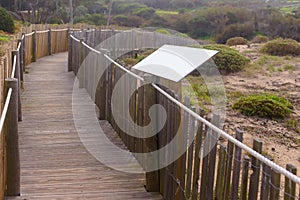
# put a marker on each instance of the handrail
(45, 31)
(13, 71)
(29, 34)
(57, 30)
(74, 38)
(5, 109)
(255, 154)
(19, 46)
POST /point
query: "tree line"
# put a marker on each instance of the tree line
(217, 20)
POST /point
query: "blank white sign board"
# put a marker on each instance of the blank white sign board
(174, 62)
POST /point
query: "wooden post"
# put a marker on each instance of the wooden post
(228, 172)
(12, 141)
(221, 173)
(152, 179)
(212, 158)
(254, 179)
(275, 185)
(33, 58)
(236, 167)
(21, 59)
(290, 186)
(24, 51)
(81, 65)
(198, 145)
(265, 181)
(245, 174)
(70, 52)
(18, 76)
(190, 155)
(50, 42)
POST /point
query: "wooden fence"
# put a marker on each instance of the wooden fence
(226, 172)
(30, 47)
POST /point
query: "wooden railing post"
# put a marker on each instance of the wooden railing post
(24, 51)
(12, 141)
(236, 167)
(81, 74)
(20, 55)
(70, 52)
(254, 178)
(33, 59)
(18, 76)
(290, 186)
(50, 42)
(152, 178)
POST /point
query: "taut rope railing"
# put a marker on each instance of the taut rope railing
(185, 178)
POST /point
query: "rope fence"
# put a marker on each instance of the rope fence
(231, 170)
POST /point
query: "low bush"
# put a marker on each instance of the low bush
(236, 41)
(281, 47)
(6, 21)
(227, 60)
(264, 106)
(260, 39)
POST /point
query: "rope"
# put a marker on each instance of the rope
(14, 67)
(29, 34)
(19, 46)
(57, 30)
(46, 31)
(5, 109)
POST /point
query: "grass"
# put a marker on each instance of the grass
(4, 38)
(288, 9)
(294, 124)
(166, 12)
(289, 67)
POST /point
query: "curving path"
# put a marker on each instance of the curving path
(54, 163)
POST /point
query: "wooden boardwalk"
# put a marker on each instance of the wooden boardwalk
(54, 163)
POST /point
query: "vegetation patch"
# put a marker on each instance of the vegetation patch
(163, 31)
(260, 39)
(294, 124)
(264, 106)
(166, 12)
(228, 60)
(281, 47)
(236, 41)
(6, 21)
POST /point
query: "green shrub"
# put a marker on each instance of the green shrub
(235, 30)
(264, 105)
(227, 60)
(236, 41)
(281, 47)
(260, 39)
(6, 21)
(163, 31)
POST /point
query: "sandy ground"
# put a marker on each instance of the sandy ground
(279, 142)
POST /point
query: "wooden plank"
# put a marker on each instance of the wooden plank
(275, 185)
(198, 145)
(290, 186)
(265, 181)
(245, 175)
(212, 158)
(221, 173)
(255, 163)
(228, 172)
(191, 134)
(236, 167)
